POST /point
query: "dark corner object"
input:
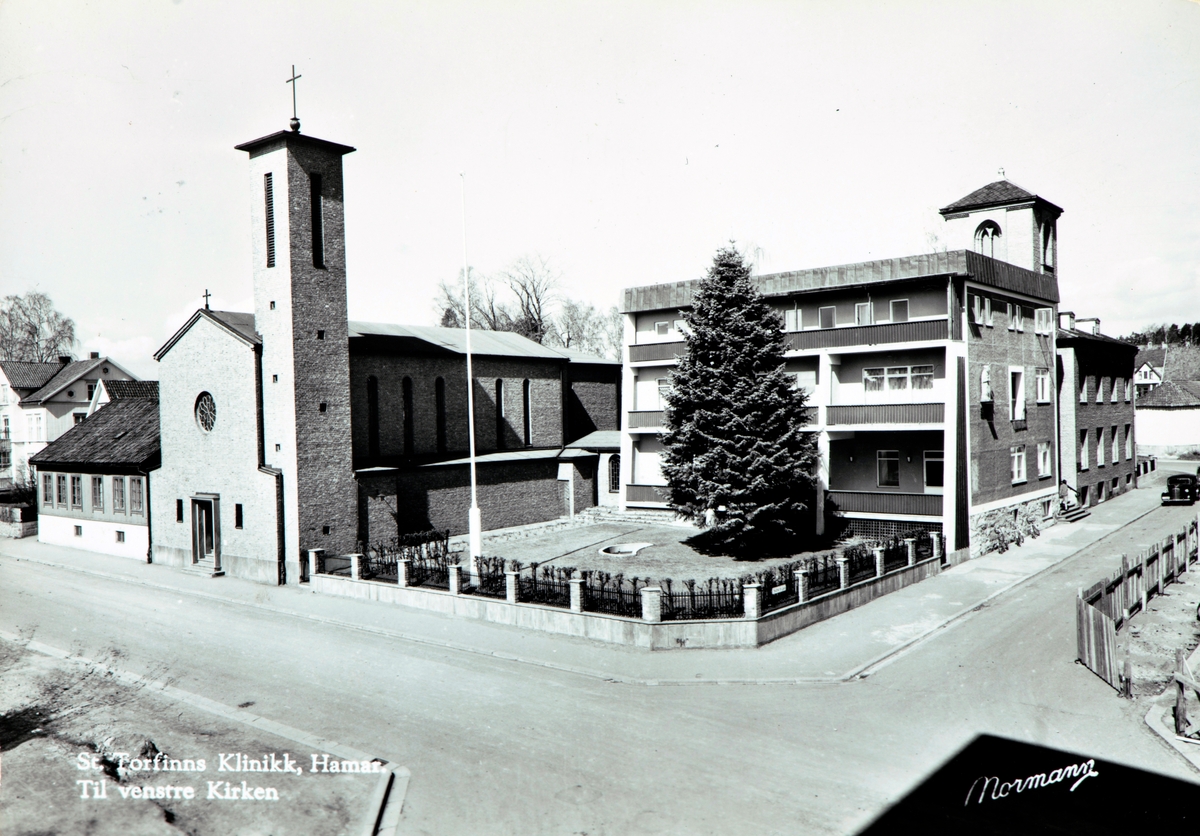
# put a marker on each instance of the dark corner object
(1001, 786)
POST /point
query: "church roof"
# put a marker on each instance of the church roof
(598, 440)
(454, 340)
(122, 434)
(1000, 193)
(576, 356)
(240, 325)
(1171, 394)
(293, 138)
(26, 375)
(119, 390)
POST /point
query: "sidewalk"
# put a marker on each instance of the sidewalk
(840, 648)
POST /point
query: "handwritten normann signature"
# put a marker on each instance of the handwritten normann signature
(999, 789)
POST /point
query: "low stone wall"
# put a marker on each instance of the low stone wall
(17, 530)
(659, 635)
(17, 521)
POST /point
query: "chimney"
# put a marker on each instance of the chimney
(1096, 326)
(1066, 320)
(95, 355)
(64, 358)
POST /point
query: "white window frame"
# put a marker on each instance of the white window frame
(875, 376)
(1045, 463)
(1128, 390)
(977, 309)
(898, 374)
(791, 319)
(1128, 442)
(118, 495)
(98, 482)
(933, 456)
(914, 375)
(1020, 318)
(1017, 455)
(1099, 446)
(1116, 392)
(1043, 385)
(137, 495)
(1099, 389)
(892, 310)
(832, 316)
(77, 491)
(1116, 445)
(987, 311)
(1016, 393)
(1084, 437)
(662, 329)
(662, 385)
(880, 457)
(1043, 320)
(1012, 317)
(48, 489)
(862, 314)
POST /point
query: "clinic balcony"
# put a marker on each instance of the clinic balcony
(886, 502)
(922, 330)
(886, 415)
(654, 420)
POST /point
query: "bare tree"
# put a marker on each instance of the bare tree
(533, 282)
(488, 313)
(613, 327)
(31, 329)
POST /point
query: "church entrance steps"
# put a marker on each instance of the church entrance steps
(206, 568)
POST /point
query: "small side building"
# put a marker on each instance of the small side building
(94, 480)
(1097, 447)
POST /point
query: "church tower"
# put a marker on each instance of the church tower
(1005, 222)
(300, 312)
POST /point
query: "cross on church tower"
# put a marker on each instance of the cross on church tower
(295, 124)
(207, 295)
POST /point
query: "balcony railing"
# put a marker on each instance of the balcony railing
(646, 418)
(887, 413)
(881, 502)
(646, 493)
(655, 351)
(896, 332)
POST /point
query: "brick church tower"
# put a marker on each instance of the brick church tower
(299, 253)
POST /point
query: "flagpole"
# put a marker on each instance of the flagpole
(474, 519)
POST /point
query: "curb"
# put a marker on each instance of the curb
(395, 778)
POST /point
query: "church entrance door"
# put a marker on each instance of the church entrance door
(206, 530)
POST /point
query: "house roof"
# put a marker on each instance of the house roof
(119, 390)
(987, 271)
(240, 325)
(26, 375)
(1069, 334)
(1171, 394)
(1153, 356)
(598, 440)
(67, 375)
(453, 340)
(123, 433)
(999, 193)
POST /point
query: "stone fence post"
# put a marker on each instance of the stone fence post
(878, 552)
(651, 603)
(576, 594)
(510, 584)
(802, 585)
(355, 567)
(455, 573)
(843, 571)
(910, 543)
(315, 556)
(752, 600)
(938, 549)
(475, 574)
(403, 570)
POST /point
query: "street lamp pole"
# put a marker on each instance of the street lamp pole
(474, 519)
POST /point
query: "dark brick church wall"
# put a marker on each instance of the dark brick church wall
(593, 399)
(510, 493)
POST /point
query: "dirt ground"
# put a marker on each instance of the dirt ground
(63, 723)
(1153, 636)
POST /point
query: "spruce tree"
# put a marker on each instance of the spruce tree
(733, 435)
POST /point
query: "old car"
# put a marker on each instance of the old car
(1181, 490)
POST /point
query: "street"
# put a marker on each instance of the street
(498, 746)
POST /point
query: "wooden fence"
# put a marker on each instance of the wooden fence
(1103, 608)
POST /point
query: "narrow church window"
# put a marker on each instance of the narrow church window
(526, 397)
(237, 515)
(500, 414)
(269, 191)
(373, 416)
(318, 225)
(179, 510)
(408, 416)
(614, 474)
(439, 392)
(987, 234)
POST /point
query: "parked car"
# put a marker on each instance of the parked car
(1181, 490)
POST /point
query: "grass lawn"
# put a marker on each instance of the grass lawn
(667, 557)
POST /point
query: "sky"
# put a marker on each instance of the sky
(625, 142)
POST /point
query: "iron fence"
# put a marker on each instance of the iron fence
(822, 574)
(613, 594)
(924, 543)
(491, 579)
(895, 555)
(433, 571)
(551, 589)
(715, 598)
(379, 566)
(860, 563)
(778, 587)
